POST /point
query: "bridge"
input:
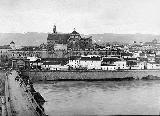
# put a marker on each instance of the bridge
(18, 99)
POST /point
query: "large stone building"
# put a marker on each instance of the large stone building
(72, 41)
(5, 50)
(56, 39)
(76, 42)
(28, 51)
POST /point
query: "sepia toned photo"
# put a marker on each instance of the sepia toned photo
(79, 57)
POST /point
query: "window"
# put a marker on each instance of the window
(76, 36)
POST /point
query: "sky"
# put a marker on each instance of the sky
(87, 16)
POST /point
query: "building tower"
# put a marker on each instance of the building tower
(54, 30)
(12, 45)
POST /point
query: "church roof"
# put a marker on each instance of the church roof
(74, 32)
(12, 42)
(58, 38)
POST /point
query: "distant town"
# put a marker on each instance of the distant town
(71, 51)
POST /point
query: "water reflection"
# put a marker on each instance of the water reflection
(101, 98)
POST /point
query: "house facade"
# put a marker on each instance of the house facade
(90, 62)
(121, 65)
(109, 67)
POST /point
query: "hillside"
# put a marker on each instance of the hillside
(23, 39)
(125, 38)
(34, 38)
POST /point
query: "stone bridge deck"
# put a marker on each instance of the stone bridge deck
(18, 102)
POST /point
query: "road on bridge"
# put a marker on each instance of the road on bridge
(18, 99)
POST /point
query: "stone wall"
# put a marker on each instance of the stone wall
(89, 75)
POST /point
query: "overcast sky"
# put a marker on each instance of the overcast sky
(87, 16)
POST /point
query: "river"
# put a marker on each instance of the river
(79, 98)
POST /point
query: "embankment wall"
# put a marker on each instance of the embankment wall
(89, 75)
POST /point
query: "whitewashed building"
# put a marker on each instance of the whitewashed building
(53, 66)
(74, 62)
(54, 63)
(109, 67)
(136, 54)
(121, 65)
(153, 65)
(58, 67)
(151, 59)
(90, 62)
(139, 66)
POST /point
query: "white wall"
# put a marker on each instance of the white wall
(58, 67)
(139, 65)
(55, 67)
(74, 63)
(90, 64)
(121, 65)
(94, 65)
(108, 67)
(153, 66)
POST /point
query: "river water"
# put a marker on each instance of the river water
(74, 98)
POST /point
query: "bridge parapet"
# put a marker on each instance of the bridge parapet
(32, 101)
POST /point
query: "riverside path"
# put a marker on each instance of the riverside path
(19, 103)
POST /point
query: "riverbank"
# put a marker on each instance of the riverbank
(93, 75)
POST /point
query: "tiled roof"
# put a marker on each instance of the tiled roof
(54, 59)
(51, 63)
(113, 59)
(142, 54)
(30, 48)
(73, 57)
(74, 32)
(107, 64)
(5, 47)
(126, 54)
(91, 58)
(12, 42)
(59, 38)
(130, 58)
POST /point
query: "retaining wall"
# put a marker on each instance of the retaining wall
(89, 75)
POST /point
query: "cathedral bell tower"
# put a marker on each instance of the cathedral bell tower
(54, 30)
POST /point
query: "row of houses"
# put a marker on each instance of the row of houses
(105, 63)
(92, 62)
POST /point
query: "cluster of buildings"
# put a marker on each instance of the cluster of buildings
(71, 51)
(95, 62)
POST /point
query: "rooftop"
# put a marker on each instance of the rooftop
(91, 58)
(12, 42)
(74, 32)
(5, 47)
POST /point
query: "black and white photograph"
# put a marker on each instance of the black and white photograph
(79, 57)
